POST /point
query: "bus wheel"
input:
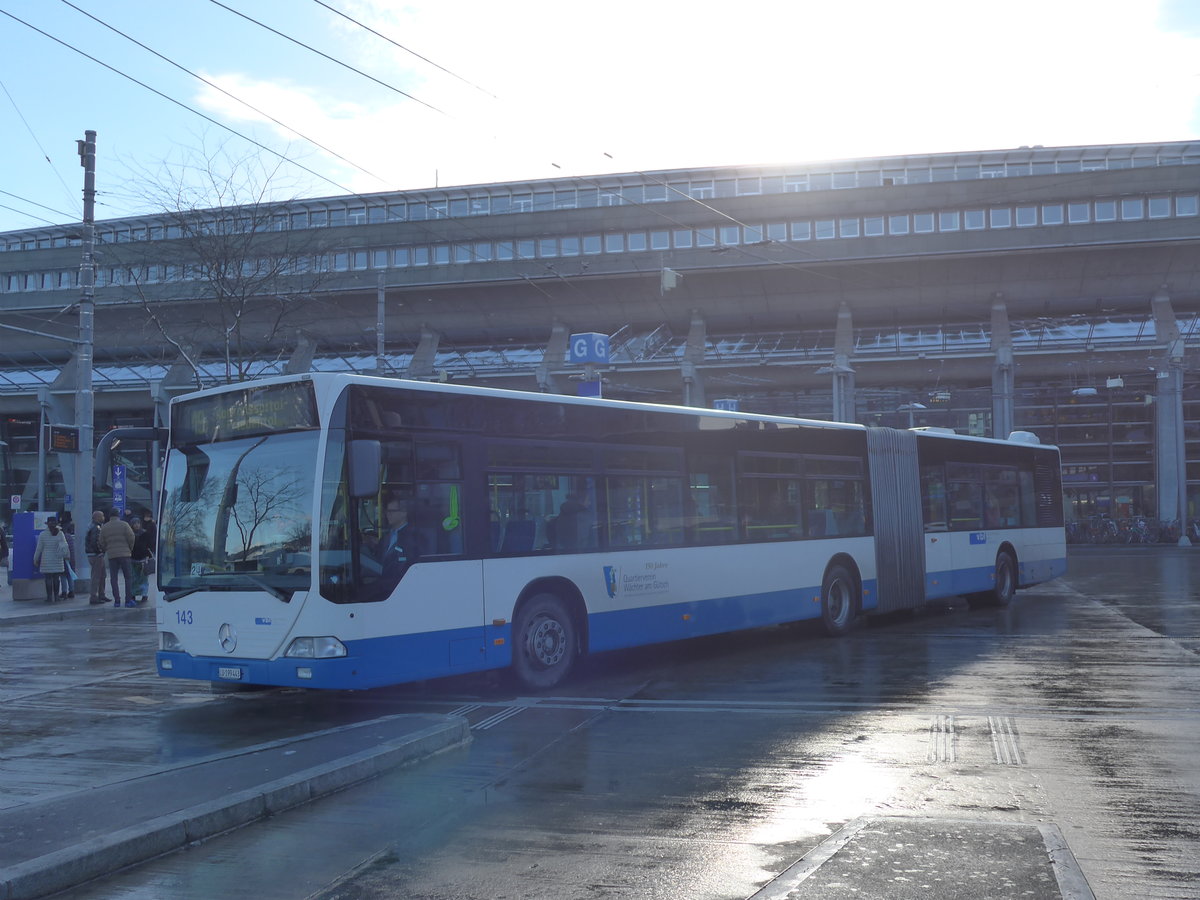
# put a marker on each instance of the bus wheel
(1004, 583)
(545, 645)
(839, 601)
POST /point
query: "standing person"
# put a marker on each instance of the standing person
(91, 546)
(68, 577)
(142, 552)
(116, 540)
(150, 529)
(50, 556)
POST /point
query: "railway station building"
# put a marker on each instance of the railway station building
(1054, 290)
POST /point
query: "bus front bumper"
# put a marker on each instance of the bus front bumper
(342, 673)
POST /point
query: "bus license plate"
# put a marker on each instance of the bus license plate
(229, 673)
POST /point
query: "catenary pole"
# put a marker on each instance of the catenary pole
(84, 400)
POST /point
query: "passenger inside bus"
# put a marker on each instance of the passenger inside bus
(573, 522)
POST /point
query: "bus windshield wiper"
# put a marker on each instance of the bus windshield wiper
(277, 593)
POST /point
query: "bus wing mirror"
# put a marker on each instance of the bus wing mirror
(365, 459)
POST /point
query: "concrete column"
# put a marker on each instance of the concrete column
(554, 357)
(693, 358)
(421, 364)
(301, 359)
(182, 373)
(844, 409)
(1170, 462)
(1003, 401)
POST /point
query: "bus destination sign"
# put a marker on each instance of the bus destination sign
(243, 413)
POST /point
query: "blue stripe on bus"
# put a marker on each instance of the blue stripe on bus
(982, 578)
(377, 662)
(656, 624)
(370, 663)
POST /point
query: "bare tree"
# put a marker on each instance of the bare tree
(223, 271)
(265, 498)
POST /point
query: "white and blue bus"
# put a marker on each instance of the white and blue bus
(342, 531)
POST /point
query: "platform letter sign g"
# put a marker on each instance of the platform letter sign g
(588, 347)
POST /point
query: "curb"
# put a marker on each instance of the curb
(51, 614)
(67, 868)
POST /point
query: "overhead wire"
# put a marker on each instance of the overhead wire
(233, 131)
(24, 213)
(45, 155)
(217, 87)
(332, 59)
(35, 203)
(650, 207)
(404, 48)
(555, 273)
(180, 104)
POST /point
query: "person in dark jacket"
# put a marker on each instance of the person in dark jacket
(67, 589)
(143, 552)
(91, 546)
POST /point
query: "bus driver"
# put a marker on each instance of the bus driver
(397, 544)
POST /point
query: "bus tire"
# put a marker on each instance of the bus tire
(1004, 583)
(839, 600)
(545, 642)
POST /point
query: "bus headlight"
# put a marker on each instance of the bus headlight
(316, 648)
(168, 642)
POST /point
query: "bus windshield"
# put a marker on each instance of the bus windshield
(237, 515)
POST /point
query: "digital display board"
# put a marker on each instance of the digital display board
(243, 413)
(64, 439)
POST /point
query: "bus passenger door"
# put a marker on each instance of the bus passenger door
(939, 555)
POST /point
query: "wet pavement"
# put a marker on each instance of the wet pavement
(1046, 750)
(86, 790)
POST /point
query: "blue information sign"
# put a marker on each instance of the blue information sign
(588, 347)
(118, 482)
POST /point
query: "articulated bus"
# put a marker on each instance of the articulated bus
(343, 531)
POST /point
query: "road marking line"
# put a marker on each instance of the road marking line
(942, 740)
(1006, 741)
(499, 717)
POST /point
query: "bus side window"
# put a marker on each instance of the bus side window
(573, 527)
(1028, 499)
(1002, 506)
(966, 505)
(709, 515)
(437, 513)
(933, 498)
(538, 512)
(835, 507)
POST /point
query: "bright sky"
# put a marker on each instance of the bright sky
(546, 88)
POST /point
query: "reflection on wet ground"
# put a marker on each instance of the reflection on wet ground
(703, 769)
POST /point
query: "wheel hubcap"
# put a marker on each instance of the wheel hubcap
(547, 642)
(839, 601)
